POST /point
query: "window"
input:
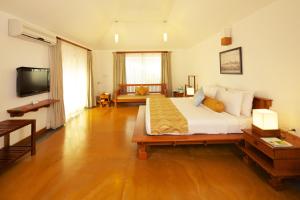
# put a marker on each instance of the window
(143, 68)
(74, 64)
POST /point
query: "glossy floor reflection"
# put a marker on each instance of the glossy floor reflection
(93, 158)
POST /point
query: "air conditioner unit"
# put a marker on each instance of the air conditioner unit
(17, 28)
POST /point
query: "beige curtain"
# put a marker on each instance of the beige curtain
(90, 90)
(119, 71)
(166, 76)
(56, 110)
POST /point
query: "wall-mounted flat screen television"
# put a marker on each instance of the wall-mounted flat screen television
(31, 81)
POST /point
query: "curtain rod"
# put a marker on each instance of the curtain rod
(143, 51)
(78, 45)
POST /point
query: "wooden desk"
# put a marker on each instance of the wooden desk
(9, 154)
(278, 162)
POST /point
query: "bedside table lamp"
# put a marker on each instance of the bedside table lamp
(265, 123)
(189, 91)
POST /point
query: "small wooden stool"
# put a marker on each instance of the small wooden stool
(104, 99)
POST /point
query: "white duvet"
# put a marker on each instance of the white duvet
(203, 120)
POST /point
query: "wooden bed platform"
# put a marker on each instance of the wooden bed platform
(144, 141)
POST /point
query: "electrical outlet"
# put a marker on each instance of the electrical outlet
(292, 130)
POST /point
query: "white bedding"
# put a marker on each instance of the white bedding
(203, 120)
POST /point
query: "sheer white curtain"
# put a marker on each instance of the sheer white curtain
(142, 68)
(74, 64)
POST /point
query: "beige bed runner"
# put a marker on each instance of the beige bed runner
(166, 118)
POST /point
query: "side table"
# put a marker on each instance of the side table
(178, 94)
(279, 162)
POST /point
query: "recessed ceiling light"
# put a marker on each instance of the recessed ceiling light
(165, 34)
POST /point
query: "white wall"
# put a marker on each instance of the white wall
(181, 68)
(271, 65)
(14, 53)
(103, 71)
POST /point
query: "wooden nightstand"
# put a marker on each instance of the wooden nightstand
(279, 162)
(178, 94)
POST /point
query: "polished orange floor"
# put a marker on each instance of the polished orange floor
(93, 158)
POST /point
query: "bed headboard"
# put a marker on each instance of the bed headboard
(260, 103)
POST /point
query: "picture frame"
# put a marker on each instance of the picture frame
(231, 61)
(192, 81)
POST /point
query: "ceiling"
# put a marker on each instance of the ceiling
(140, 26)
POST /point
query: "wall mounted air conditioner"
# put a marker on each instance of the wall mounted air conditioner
(17, 28)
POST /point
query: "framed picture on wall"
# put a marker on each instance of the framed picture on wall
(231, 61)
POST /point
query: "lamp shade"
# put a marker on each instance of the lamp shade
(190, 91)
(265, 119)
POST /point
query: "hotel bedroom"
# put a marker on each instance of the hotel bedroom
(161, 99)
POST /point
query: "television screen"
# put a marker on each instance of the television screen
(31, 81)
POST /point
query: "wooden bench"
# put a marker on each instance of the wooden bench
(11, 153)
(126, 93)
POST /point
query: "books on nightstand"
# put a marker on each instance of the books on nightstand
(276, 142)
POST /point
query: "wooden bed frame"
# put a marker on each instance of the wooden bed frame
(144, 141)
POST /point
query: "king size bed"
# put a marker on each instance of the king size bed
(201, 126)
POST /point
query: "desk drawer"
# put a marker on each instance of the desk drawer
(259, 145)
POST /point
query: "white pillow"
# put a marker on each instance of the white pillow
(199, 97)
(211, 91)
(232, 101)
(246, 102)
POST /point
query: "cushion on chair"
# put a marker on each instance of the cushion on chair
(141, 90)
